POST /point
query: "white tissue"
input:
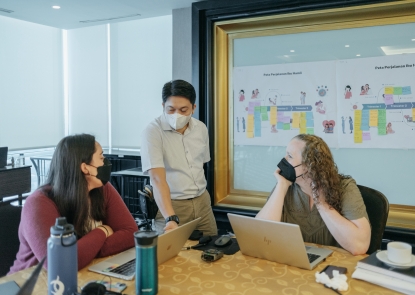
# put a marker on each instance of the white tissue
(338, 282)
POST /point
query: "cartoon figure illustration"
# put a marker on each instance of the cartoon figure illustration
(331, 127)
(302, 97)
(256, 93)
(273, 129)
(348, 92)
(362, 90)
(273, 101)
(351, 124)
(343, 119)
(326, 128)
(368, 90)
(241, 95)
(237, 124)
(320, 108)
(389, 128)
(243, 123)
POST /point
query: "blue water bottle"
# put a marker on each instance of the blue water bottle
(146, 269)
(62, 259)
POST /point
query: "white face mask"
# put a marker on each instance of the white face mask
(177, 121)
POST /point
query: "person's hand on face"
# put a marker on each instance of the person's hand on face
(281, 179)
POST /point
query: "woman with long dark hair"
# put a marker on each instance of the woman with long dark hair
(78, 189)
(310, 192)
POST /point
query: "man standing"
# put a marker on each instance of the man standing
(174, 148)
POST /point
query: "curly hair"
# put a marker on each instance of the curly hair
(322, 171)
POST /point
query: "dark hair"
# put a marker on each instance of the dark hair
(348, 86)
(68, 187)
(322, 170)
(179, 88)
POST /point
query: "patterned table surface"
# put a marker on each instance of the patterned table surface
(233, 275)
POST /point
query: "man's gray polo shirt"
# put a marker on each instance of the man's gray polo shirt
(182, 156)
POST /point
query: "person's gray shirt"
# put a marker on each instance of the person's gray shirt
(182, 156)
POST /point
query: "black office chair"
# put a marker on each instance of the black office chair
(377, 208)
(9, 239)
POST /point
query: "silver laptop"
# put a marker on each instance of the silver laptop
(169, 245)
(275, 241)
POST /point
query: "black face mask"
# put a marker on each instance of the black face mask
(103, 172)
(287, 170)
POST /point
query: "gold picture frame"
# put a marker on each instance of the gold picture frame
(224, 32)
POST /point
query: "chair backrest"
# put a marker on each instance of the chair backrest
(377, 208)
(9, 238)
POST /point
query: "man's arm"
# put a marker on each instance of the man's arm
(161, 193)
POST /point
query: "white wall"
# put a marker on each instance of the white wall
(31, 81)
(31, 87)
(87, 82)
(141, 62)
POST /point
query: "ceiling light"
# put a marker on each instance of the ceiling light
(357, 54)
(392, 50)
(346, 45)
(56, 7)
(292, 50)
(286, 56)
(413, 39)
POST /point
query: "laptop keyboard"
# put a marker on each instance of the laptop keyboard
(126, 269)
(312, 257)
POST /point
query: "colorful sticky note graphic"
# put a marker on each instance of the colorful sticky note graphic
(280, 125)
(302, 115)
(286, 119)
(264, 110)
(358, 136)
(406, 90)
(382, 130)
(286, 126)
(397, 90)
(257, 131)
(251, 107)
(366, 135)
(310, 130)
(309, 115)
(413, 115)
(388, 90)
(382, 113)
(310, 123)
(303, 122)
(365, 127)
(250, 134)
(388, 99)
(296, 123)
(250, 127)
(257, 109)
(381, 121)
(303, 130)
(373, 118)
(264, 116)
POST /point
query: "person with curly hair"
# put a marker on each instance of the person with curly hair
(310, 192)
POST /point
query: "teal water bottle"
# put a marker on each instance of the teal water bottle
(146, 269)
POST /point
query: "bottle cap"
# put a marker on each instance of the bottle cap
(145, 238)
(61, 227)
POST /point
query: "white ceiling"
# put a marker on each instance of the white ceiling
(72, 12)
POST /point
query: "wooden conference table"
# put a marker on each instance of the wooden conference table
(233, 274)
